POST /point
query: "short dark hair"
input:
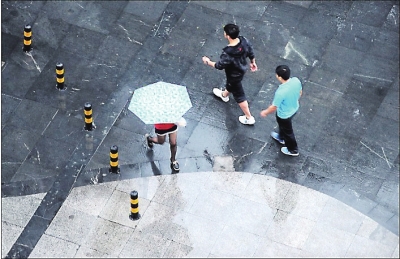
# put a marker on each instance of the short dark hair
(283, 71)
(232, 30)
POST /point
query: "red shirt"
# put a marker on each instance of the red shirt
(164, 126)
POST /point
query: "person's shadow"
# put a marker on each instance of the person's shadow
(154, 168)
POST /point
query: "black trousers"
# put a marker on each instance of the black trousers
(286, 132)
(234, 86)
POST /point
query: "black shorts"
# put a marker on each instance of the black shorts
(164, 132)
(235, 87)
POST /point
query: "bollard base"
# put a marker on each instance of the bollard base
(115, 171)
(89, 128)
(134, 217)
(61, 88)
(27, 50)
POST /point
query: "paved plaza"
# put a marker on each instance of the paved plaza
(236, 194)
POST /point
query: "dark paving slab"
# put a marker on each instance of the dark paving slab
(345, 53)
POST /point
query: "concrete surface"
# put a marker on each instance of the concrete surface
(55, 175)
(205, 214)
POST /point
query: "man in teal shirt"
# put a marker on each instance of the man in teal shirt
(286, 105)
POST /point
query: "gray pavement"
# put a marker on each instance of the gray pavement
(205, 214)
(236, 194)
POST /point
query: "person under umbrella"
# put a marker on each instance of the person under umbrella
(162, 130)
(162, 105)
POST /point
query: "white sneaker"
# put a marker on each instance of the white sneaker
(218, 92)
(246, 121)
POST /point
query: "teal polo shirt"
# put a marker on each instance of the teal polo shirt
(286, 98)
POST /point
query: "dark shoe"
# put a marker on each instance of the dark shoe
(289, 153)
(175, 166)
(150, 143)
(275, 136)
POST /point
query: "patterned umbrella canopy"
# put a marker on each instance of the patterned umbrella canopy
(160, 102)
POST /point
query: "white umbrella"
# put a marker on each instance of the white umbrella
(160, 102)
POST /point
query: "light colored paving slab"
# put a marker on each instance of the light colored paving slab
(9, 234)
(15, 214)
(145, 186)
(85, 252)
(290, 229)
(326, 241)
(178, 192)
(230, 182)
(341, 217)
(107, 237)
(197, 232)
(20, 209)
(117, 209)
(71, 224)
(249, 216)
(304, 202)
(234, 242)
(365, 247)
(396, 252)
(208, 214)
(266, 190)
(372, 230)
(268, 248)
(53, 247)
(91, 202)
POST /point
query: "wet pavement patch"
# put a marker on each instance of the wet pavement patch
(347, 126)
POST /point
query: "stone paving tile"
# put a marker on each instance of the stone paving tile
(218, 223)
(19, 212)
(50, 246)
(9, 234)
(344, 55)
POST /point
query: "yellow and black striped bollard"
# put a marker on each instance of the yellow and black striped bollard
(88, 117)
(134, 206)
(27, 38)
(114, 160)
(60, 76)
